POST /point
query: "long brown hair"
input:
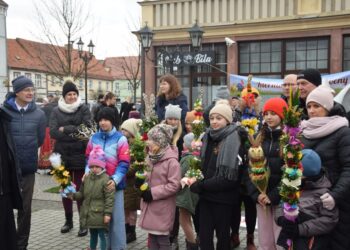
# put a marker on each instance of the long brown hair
(175, 87)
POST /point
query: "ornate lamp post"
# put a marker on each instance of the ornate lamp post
(86, 57)
(196, 35)
(145, 36)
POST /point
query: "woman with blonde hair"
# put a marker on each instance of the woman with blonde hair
(170, 92)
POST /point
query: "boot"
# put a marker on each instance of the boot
(131, 236)
(68, 225)
(250, 242)
(235, 242)
(82, 232)
(191, 246)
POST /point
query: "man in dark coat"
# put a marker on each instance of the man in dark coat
(26, 125)
(10, 194)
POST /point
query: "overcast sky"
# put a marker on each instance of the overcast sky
(109, 24)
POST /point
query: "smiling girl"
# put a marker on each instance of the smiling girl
(267, 203)
(219, 190)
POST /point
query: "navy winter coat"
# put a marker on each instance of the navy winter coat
(28, 133)
(161, 103)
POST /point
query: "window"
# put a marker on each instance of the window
(302, 54)
(81, 84)
(107, 86)
(16, 74)
(28, 75)
(99, 86)
(346, 54)
(116, 85)
(274, 59)
(260, 57)
(90, 84)
(37, 80)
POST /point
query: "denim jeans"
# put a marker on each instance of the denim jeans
(117, 235)
(97, 234)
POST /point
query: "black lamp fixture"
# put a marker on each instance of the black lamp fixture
(86, 57)
(145, 35)
(196, 35)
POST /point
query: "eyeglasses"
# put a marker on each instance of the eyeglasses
(28, 90)
(288, 84)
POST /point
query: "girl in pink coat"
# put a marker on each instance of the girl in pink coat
(158, 202)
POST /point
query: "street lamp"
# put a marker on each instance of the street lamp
(196, 35)
(86, 56)
(145, 36)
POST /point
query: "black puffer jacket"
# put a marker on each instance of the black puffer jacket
(28, 132)
(10, 173)
(72, 150)
(271, 148)
(334, 151)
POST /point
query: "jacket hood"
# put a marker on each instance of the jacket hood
(170, 152)
(10, 104)
(316, 183)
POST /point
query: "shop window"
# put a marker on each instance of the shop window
(277, 58)
(260, 57)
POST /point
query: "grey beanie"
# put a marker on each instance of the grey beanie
(21, 83)
(173, 111)
(222, 93)
(188, 138)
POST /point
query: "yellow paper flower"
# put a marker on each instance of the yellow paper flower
(66, 173)
(61, 168)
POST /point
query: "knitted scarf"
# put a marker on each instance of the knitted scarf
(227, 163)
(318, 127)
(69, 108)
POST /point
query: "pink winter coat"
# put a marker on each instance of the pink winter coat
(164, 181)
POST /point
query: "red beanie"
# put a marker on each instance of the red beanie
(276, 105)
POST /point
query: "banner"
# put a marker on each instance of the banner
(335, 81)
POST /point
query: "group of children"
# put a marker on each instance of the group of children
(208, 203)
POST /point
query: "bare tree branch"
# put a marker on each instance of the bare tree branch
(61, 23)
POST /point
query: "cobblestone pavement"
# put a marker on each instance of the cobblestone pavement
(48, 217)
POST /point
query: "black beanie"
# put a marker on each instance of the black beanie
(69, 86)
(311, 75)
(106, 113)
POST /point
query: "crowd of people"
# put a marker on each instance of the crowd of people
(109, 195)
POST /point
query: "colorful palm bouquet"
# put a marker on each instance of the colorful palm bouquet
(259, 173)
(138, 156)
(249, 122)
(198, 127)
(61, 175)
(292, 171)
(150, 119)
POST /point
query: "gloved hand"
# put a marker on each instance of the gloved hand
(282, 240)
(197, 187)
(139, 182)
(328, 201)
(291, 230)
(147, 196)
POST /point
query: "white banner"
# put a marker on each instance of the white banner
(335, 81)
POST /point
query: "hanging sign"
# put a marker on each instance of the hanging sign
(187, 58)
